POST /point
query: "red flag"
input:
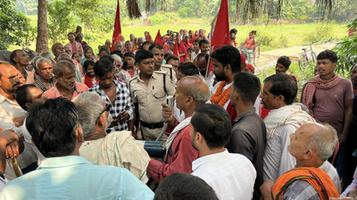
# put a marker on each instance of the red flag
(117, 37)
(220, 28)
(180, 51)
(219, 35)
(158, 39)
(148, 37)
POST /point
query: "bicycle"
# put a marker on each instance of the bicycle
(306, 57)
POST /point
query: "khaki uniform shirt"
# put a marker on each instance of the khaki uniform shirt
(150, 97)
(170, 72)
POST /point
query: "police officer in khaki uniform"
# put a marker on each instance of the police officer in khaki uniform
(149, 90)
(158, 53)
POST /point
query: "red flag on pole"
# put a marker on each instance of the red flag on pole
(220, 27)
(148, 37)
(158, 39)
(180, 50)
(177, 49)
(219, 35)
(117, 37)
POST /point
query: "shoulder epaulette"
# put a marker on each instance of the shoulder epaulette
(166, 65)
(132, 79)
(160, 72)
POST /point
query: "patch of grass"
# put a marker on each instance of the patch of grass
(288, 35)
(271, 36)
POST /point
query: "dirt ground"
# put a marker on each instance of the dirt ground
(268, 58)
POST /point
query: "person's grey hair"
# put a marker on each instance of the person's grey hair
(64, 56)
(198, 95)
(42, 60)
(89, 105)
(324, 141)
(116, 57)
(60, 66)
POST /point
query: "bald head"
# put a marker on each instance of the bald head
(320, 139)
(195, 87)
(323, 139)
(6, 68)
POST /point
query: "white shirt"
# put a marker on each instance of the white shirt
(281, 123)
(3, 182)
(178, 114)
(194, 55)
(210, 81)
(8, 110)
(231, 175)
(332, 172)
(277, 159)
(22, 130)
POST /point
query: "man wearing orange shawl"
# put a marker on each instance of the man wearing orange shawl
(314, 177)
(226, 62)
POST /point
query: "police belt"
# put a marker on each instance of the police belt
(152, 125)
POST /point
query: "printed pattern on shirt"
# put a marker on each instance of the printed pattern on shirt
(122, 103)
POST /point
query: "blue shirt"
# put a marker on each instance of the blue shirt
(73, 177)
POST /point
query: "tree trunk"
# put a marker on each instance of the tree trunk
(238, 4)
(163, 8)
(147, 6)
(133, 9)
(42, 27)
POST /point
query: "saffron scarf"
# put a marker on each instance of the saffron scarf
(316, 177)
(221, 96)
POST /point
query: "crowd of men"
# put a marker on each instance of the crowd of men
(75, 125)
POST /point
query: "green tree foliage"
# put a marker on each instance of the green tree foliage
(347, 50)
(95, 19)
(61, 20)
(298, 10)
(196, 8)
(15, 27)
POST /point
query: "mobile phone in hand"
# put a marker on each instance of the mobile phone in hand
(170, 101)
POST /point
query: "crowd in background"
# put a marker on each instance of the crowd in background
(79, 125)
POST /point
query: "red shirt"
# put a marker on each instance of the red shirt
(90, 81)
(178, 159)
(131, 71)
(249, 43)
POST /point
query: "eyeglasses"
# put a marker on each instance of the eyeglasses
(107, 108)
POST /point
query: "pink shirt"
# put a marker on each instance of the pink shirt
(330, 104)
(53, 92)
(249, 43)
(178, 159)
(75, 47)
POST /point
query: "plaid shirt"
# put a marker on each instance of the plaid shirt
(122, 103)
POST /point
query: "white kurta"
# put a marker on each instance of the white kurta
(232, 176)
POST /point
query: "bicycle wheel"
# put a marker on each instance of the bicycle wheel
(313, 57)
